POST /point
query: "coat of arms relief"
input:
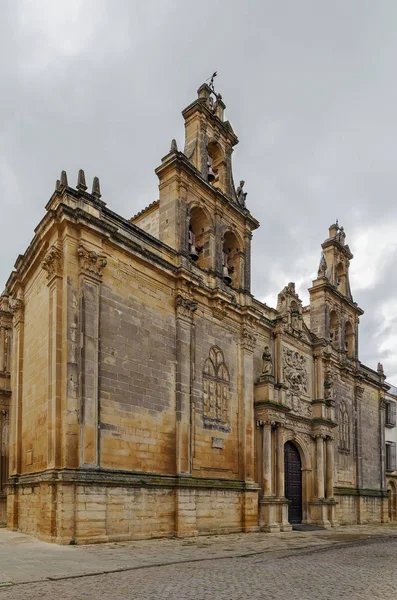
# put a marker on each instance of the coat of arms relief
(296, 377)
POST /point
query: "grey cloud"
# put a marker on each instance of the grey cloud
(309, 88)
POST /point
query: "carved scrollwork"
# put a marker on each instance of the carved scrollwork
(219, 308)
(52, 262)
(248, 339)
(298, 406)
(91, 263)
(359, 391)
(185, 307)
(17, 307)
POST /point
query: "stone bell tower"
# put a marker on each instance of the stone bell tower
(209, 140)
(333, 314)
(201, 214)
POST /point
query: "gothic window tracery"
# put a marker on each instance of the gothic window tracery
(216, 391)
(344, 428)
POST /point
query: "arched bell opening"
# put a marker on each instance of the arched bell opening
(334, 328)
(199, 238)
(216, 165)
(349, 339)
(341, 278)
(232, 257)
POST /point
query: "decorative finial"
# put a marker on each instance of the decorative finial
(64, 179)
(81, 185)
(174, 147)
(96, 190)
(57, 185)
(337, 222)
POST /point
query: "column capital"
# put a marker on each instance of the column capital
(248, 339)
(18, 310)
(185, 307)
(52, 262)
(266, 422)
(91, 263)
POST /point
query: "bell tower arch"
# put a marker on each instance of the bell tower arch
(333, 313)
(201, 214)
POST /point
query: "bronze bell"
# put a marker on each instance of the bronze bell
(226, 277)
(193, 252)
(211, 175)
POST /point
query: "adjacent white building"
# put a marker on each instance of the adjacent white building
(391, 444)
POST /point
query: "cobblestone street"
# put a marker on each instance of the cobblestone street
(351, 563)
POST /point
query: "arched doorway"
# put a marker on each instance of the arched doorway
(293, 482)
(392, 501)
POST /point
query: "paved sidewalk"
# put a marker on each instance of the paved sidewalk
(24, 559)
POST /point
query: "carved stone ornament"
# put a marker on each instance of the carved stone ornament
(4, 303)
(91, 263)
(52, 262)
(17, 307)
(359, 391)
(248, 339)
(219, 308)
(329, 385)
(185, 307)
(295, 371)
(298, 406)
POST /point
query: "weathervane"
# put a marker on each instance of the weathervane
(211, 81)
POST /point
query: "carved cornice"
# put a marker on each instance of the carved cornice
(185, 307)
(52, 262)
(91, 263)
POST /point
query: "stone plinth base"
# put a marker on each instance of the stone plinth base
(100, 506)
(3, 510)
(360, 506)
(273, 514)
(322, 513)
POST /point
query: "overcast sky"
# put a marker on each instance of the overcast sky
(310, 89)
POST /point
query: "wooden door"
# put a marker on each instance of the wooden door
(293, 482)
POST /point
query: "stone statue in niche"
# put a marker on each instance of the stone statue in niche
(267, 362)
(241, 195)
(322, 269)
(295, 321)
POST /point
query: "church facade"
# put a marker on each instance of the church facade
(145, 392)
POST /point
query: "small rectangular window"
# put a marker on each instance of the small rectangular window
(390, 414)
(390, 456)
